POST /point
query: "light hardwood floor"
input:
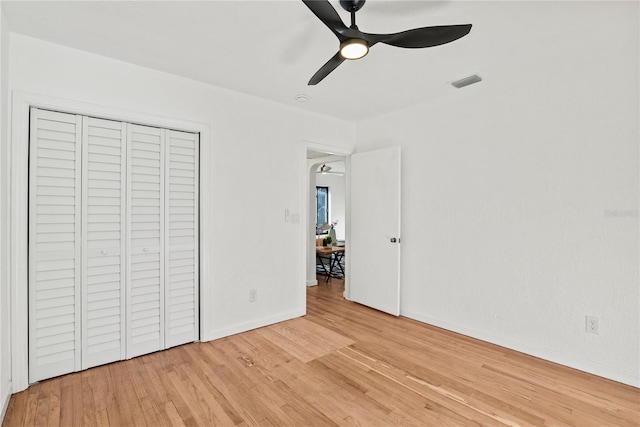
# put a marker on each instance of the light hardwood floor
(342, 364)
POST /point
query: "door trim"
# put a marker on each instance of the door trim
(19, 199)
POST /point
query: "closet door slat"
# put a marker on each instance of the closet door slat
(145, 216)
(181, 237)
(54, 244)
(103, 243)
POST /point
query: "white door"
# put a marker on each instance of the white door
(181, 243)
(103, 241)
(145, 266)
(54, 244)
(375, 229)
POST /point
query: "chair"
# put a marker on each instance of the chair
(322, 261)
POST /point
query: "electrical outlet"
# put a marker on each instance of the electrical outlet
(253, 295)
(591, 324)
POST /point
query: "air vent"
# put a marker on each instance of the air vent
(466, 81)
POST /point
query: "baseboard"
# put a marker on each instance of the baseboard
(546, 354)
(312, 283)
(254, 324)
(6, 396)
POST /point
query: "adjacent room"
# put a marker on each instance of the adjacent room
(327, 187)
(311, 212)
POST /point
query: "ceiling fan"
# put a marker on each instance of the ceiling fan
(326, 170)
(354, 44)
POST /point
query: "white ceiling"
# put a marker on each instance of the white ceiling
(312, 154)
(270, 49)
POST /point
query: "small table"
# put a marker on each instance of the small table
(335, 254)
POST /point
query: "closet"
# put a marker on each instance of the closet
(113, 241)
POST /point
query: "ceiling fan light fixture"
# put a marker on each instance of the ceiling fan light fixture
(324, 168)
(354, 49)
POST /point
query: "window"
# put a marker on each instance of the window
(322, 209)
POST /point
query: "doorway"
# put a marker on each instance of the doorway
(372, 228)
(326, 172)
(330, 219)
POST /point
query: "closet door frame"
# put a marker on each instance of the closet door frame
(19, 235)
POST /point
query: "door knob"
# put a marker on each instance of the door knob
(103, 252)
(393, 240)
(145, 250)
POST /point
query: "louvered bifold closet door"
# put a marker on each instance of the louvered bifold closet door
(54, 244)
(181, 248)
(103, 241)
(145, 293)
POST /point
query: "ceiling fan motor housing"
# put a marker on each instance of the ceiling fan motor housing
(352, 5)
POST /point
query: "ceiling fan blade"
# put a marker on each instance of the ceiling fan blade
(422, 37)
(324, 71)
(328, 15)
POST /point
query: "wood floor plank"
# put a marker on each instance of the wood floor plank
(341, 365)
(31, 405)
(15, 409)
(128, 395)
(452, 392)
(304, 339)
(71, 412)
(242, 363)
(42, 407)
(414, 406)
(53, 417)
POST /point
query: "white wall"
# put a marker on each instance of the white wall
(5, 338)
(247, 133)
(520, 200)
(337, 199)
